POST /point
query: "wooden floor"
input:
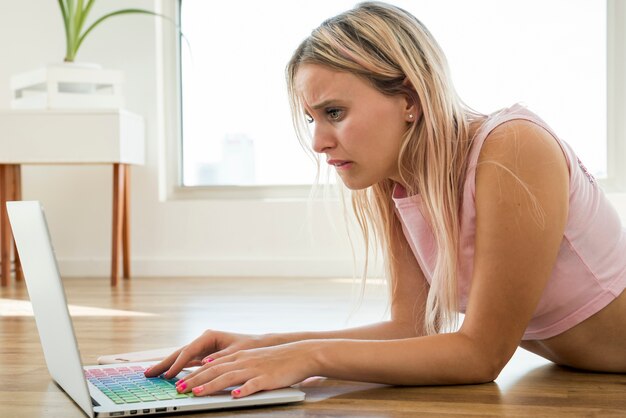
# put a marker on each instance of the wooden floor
(149, 313)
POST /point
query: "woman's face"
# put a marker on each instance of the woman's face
(358, 128)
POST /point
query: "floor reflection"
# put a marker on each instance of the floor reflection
(12, 307)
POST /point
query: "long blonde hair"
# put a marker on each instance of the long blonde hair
(397, 54)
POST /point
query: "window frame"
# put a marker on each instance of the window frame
(169, 103)
(616, 97)
(169, 112)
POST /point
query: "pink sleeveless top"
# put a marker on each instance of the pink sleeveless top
(590, 269)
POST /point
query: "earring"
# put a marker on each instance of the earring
(411, 116)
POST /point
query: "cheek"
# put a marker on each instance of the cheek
(387, 123)
(350, 134)
(387, 137)
(379, 130)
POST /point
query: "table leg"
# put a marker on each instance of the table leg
(17, 195)
(5, 233)
(118, 206)
(126, 222)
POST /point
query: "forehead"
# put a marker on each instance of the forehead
(315, 83)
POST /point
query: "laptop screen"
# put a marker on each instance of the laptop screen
(47, 296)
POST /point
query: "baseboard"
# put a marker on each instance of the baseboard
(158, 267)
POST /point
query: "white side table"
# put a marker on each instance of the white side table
(99, 136)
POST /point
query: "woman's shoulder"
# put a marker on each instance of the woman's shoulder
(485, 124)
(512, 133)
(519, 142)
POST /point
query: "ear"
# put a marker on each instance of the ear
(412, 107)
(412, 110)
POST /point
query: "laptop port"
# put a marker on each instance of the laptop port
(146, 411)
(117, 414)
(133, 412)
(160, 410)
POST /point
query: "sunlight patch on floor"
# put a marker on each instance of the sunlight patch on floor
(369, 281)
(12, 307)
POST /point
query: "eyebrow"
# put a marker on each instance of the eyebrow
(323, 104)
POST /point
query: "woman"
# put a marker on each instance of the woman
(490, 215)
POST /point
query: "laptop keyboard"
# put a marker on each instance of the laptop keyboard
(129, 385)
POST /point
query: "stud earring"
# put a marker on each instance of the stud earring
(411, 116)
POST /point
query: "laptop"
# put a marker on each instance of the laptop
(104, 390)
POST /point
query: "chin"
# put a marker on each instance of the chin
(355, 185)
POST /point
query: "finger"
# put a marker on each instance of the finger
(217, 355)
(181, 384)
(197, 377)
(163, 365)
(205, 374)
(221, 382)
(251, 386)
(232, 349)
(204, 365)
(187, 356)
(194, 363)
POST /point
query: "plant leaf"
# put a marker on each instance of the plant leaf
(78, 16)
(86, 11)
(66, 28)
(64, 13)
(63, 7)
(72, 34)
(116, 13)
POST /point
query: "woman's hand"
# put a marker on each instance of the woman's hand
(210, 346)
(254, 369)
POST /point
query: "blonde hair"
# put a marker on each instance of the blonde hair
(395, 52)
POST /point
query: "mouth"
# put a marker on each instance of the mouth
(340, 164)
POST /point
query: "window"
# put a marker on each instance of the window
(236, 121)
(236, 125)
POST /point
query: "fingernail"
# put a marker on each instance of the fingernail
(181, 387)
(207, 360)
(197, 390)
(236, 392)
(180, 382)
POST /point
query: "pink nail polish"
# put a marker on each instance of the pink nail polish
(207, 360)
(148, 370)
(181, 387)
(236, 392)
(180, 382)
(197, 390)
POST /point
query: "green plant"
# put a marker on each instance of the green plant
(75, 14)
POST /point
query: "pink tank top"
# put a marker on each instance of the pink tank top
(590, 269)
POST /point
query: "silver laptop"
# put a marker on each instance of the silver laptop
(106, 390)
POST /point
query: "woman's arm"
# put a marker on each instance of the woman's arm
(409, 289)
(408, 293)
(522, 198)
(518, 236)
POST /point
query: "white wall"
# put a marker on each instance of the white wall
(168, 238)
(236, 237)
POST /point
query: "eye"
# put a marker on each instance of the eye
(308, 118)
(334, 114)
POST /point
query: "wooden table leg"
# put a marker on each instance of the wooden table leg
(17, 195)
(118, 206)
(4, 278)
(126, 222)
(6, 185)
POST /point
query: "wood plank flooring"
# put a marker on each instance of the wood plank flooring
(148, 313)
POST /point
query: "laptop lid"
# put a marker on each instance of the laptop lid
(47, 296)
(58, 340)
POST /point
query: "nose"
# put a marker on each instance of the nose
(323, 141)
